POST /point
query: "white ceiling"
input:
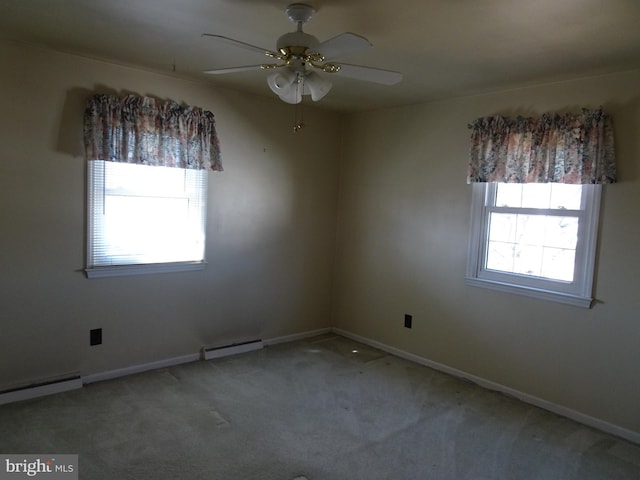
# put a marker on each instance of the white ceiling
(444, 48)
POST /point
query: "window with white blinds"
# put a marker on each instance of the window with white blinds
(144, 219)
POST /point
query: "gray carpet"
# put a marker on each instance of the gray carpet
(320, 409)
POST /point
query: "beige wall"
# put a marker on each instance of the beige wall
(403, 204)
(271, 226)
(402, 240)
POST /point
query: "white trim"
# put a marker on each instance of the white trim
(209, 353)
(566, 298)
(169, 362)
(591, 203)
(144, 367)
(41, 389)
(488, 384)
(296, 336)
(476, 230)
(143, 269)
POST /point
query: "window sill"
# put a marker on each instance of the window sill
(145, 269)
(568, 299)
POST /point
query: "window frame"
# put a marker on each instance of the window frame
(95, 190)
(577, 293)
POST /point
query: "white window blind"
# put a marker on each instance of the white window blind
(144, 215)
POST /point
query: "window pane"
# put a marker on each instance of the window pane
(565, 196)
(502, 227)
(140, 214)
(500, 256)
(561, 232)
(558, 264)
(533, 245)
(509, 195)
(150, 230)
(528, 260)
(530, 229)
(144, 180)
(536, 195)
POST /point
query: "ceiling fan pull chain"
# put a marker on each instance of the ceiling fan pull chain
(298, 122)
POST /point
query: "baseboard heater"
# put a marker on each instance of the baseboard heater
(41, 388)
(216, 352)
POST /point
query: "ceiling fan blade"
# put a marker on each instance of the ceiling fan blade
(368, 74)
(238, 43)
(219, 71)
(343, 44)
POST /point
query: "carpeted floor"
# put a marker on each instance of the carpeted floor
(325, 408)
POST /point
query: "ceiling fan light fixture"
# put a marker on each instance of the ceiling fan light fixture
(287, 85)
(293, 96)
(282, 81)
(316, 85)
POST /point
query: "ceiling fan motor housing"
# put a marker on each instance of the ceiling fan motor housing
(298, 42)
(298, 39)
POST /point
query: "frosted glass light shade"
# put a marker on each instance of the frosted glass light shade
(284, 83)
(294, 95)
(281, 81)
(290, 86)
(316, 85)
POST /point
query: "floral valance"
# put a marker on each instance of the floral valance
(575, 149)
(135, 129)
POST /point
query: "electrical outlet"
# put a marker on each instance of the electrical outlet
(408, 319)
(95, 337)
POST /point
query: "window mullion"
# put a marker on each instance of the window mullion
(556, 212)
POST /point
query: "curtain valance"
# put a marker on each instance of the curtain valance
(135, 129)
(575, 149)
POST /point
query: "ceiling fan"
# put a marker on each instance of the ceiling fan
(300, 56)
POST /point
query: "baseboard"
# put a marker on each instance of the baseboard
(144, 367)
(296, 336)
(525, 397)
(169, 362)
(75, 381)
(209, 353)
(41, 388)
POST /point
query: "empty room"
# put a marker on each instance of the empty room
(323, 240)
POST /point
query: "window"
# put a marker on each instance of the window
(536, 239)
(148, 163)
(144, 219)
(536, 200)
